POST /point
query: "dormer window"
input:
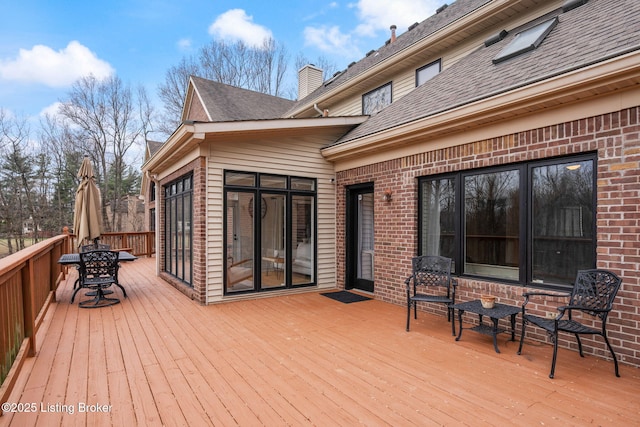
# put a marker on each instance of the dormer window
(376, 100)
(427, 72)
(526, 40)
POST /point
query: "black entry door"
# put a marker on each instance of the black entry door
(360, 238)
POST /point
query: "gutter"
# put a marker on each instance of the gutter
(572, 81)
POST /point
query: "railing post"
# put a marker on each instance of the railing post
(28, 305)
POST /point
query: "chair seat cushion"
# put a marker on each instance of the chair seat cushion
(432, 298)
(563, 325)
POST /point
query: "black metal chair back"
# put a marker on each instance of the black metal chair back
(99, 264)
(594, 292)
(431, 271)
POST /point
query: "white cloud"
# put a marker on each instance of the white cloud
(184, 44)
(53, 68)
(376, 15)
(52, 110)
(236, 25)
(331, 40)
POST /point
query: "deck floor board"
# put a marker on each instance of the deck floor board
(159, 358)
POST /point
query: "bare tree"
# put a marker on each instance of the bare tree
(110, 122)
(174, 91)
(17, 198)
(64, 155)
(262, 69)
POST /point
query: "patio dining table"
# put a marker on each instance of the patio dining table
(74, 259)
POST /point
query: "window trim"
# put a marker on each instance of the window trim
(526, 237)
(437, 61)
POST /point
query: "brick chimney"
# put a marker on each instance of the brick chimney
(309, 79)
(393, 33)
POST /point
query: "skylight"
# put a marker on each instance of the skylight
(526, 40)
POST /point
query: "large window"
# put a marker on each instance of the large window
(376, 100)
(178, 198)
(269, 231)
(530, 223)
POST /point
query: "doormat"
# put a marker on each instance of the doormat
(345, 297)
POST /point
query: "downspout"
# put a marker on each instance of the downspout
(322, 113)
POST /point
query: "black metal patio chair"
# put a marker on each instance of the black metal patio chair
(593, 294)
(95, 246)
(432, 282)
(99, 272)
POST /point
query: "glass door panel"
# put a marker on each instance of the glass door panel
(302, 240)
(241, 207)
(360, 255)
(274, 248)
(365, 238)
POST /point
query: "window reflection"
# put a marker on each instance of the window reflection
(302, 239)
(239, 253)
(491, 207)
(563, 221)
(438, 219)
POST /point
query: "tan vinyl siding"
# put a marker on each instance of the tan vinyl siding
(350, 107)
(277, 157)
(403, 84)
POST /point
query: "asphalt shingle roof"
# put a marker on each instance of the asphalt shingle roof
(585, 35)
(229, 103)
(450, 14)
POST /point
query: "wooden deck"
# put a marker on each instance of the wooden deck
(158, 358)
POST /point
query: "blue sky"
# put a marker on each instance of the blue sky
(45, 45)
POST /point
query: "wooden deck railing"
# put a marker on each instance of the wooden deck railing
(28, 281)
(141, 243)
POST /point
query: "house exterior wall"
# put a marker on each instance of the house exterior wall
(616, 139)
(279, 157)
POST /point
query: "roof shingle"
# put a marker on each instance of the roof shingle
(588, 34)
(226, 103)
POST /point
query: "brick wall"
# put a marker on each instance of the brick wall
(616, 139)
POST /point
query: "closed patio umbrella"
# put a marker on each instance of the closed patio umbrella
(87, 214)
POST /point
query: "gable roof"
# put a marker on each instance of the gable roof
(429, 26)
(153, 147)
(224, 103)
(590, 34)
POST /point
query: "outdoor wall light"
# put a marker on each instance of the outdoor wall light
(386, 196)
